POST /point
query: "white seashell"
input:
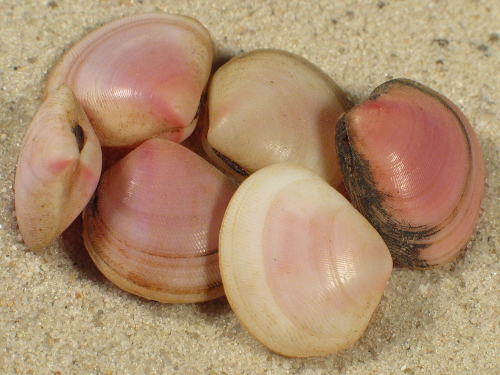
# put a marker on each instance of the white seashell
(302, 269)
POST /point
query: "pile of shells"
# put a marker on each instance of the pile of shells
(309, 200)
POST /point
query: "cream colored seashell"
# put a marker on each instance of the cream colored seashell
(271, 106)
(302, 269)
(57, 171)
(139, 77)
(152, 227)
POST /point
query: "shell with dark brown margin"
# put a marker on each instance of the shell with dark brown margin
(413, 166)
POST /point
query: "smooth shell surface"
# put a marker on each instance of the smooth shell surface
(139, 77)
(152, 227)
(57, 171)
(413, 166)
(302, 269)
(271, 106)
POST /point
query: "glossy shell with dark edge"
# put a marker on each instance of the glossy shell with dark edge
(413, 166)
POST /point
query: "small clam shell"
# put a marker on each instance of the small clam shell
(302, 269)
(270, 106)
(57, 171)
(413, 166)
(152, 227)
(139, 77)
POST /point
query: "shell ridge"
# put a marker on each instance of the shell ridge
(134, 278)
(131, 277)
(94, 211)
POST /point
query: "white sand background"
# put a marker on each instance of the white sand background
(59, 315)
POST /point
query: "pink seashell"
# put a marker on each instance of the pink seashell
(413, 166)
(152, 227)
(57, 171)
(139, 77)
(302, 269)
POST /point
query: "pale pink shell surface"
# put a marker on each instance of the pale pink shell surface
(302, 269)
(153, 225)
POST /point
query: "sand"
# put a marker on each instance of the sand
(59, 315)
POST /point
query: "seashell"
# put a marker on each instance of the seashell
(152, 226)
(413, 166)
(139, 77)
(302, 269)
(57, 171)
(269, 106)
